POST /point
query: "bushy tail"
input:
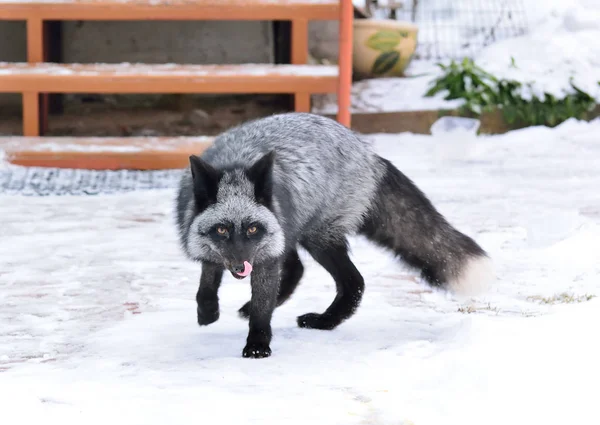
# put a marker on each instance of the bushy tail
(404, 220)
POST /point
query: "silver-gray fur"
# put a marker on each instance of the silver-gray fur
(327, 174)
(306, 180)
(235, 202)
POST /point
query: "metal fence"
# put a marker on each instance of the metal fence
(454, 29)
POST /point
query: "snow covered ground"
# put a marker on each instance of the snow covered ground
(560, 47)
(391, 94)
(98, 324)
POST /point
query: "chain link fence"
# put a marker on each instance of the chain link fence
(455, 29)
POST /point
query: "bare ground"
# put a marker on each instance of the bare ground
(168, 115)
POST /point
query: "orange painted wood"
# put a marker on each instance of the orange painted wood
(345, 62)
(103, 153)
(141, 78)
(31, 99)
(300, 57)
(103, 161)
(31, 114)
(111, 10)
(37, 77)
(35, 39)
(302, 102)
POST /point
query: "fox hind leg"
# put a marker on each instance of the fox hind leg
(292, 273)
(349, 284)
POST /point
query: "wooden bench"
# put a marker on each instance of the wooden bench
(103, 153)
(167, 78)
(36, 78)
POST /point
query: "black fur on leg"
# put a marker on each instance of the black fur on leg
(349, 282)
(207, 296)
(403, 220)
(291, 275)
(265, 286)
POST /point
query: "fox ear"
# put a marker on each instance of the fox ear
(261, 174)
(206, 182)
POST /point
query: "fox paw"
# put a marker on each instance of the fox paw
(208, 313)
(256, 350)
(317, 321)
(244, 311)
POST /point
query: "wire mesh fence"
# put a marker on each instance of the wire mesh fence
(454, 29)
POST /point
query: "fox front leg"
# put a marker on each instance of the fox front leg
(265, 287)
(207, 296)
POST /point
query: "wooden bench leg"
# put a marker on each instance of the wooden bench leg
(32, 107)
(45, 97)
(31, 114)
(345, 62)
(300, 57)
(302, 102)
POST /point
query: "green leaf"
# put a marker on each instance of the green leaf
(435, 89)
(482, 91)
(551, 117)
(385, 62)
(383, 41)
(510, 113)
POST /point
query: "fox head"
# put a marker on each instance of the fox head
(233, 222)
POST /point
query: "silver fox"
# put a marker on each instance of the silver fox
(268, 186)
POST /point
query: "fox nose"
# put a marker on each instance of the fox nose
(238, 268)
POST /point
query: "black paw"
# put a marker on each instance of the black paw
(208, 313)
(244, 312)
(317, 321)
(256, 350)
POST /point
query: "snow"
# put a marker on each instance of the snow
(449, 28)
(97, 306)
(100, 144)
(167, 69)
(55, 147)
(561, 46)
(158, 2)
(391, 94)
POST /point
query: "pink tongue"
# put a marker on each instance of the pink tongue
(247, 269)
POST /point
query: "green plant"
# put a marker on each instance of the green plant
(483, 92)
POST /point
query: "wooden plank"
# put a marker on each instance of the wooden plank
(103, 153)
(168, 78)
(345, 62)
(163, 10)
(300, 57)
(31, 98)
(31, 114)
(420, 122)
(35, 40)
(417, 122)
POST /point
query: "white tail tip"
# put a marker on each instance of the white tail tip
(475, 277)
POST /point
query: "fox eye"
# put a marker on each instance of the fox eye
(252, 230)
(221, 230)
